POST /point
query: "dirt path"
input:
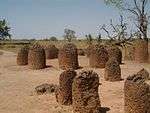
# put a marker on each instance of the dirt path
(17, 87)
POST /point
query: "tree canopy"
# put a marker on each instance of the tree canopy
(69, 35)
(4, 30)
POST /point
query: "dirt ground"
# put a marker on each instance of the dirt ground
(17, 87)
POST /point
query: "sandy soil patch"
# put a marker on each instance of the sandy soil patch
(17, 86)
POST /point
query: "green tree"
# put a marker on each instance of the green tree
(53, 38)
(4, 30)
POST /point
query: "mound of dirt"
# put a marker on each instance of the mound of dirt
(22, 56)
(85, 92)
(98, 57)
(114, 51)
(36, 57)
(51, 52)
(112, 70)
(136, 97)
(68, 57)
(45, 89)
(141, 51)
(64, 91)
(144, 74)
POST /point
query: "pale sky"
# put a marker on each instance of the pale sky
(45, 18)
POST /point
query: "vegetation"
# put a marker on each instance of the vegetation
(138, 10)
(89, 39)
(4, 30)
(119, 35)
(69, 35)
(53, 38)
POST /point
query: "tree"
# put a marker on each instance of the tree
(69, 35)
(53, 38)
(99, 38)
(4, 30)
(89, 39)
(138, 8)
(118, 35)
(140, 16)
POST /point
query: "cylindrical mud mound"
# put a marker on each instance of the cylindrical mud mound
(68, 57)
(51, 52)
(64, 91)
(141, 51)
(85, 92)
(98, 57)
(81, 52)
(129, 53)
(36, 57)
(143, 74)
(137, 95)
(114, 51)
(22, 57)
(112, 70)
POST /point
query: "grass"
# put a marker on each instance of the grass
(14, 45)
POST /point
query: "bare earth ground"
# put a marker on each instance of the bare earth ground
(17, 87)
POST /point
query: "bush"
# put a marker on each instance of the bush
(53, 38)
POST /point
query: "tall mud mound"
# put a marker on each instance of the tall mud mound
(98, 57)
(64, 91)
(22, 56)
(137, 95)
(112, 70)
(68, 57)
(85, 92)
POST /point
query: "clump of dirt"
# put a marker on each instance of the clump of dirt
(114, 51)
(136, 97)
(36, 57)
(85, 92)
(51, 51)
(98, 57)
(22, 56)
(112, 70)
(45, 89)
(68, 57)
(64, 91)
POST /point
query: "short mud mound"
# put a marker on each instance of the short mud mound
(36, 57)
(45, 89)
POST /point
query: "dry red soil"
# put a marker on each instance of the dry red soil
(17, 85)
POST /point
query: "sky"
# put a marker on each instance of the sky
(46, 18)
